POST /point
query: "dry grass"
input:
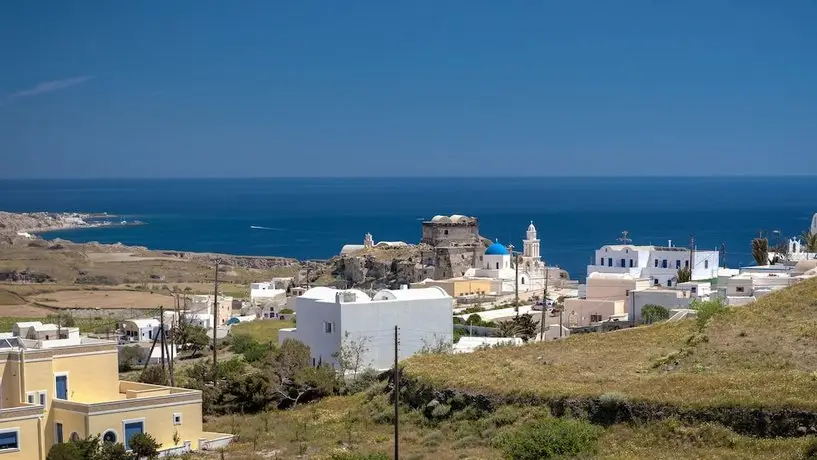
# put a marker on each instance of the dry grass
(24, 311)
(352, 424)
(769, 365)
(104, 299)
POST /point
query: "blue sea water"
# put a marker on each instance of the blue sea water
(312, 218)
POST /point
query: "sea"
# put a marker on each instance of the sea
(312, 218)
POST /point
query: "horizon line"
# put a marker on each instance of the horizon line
(563, 176)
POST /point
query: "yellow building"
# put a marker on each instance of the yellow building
(51, 395)
(608, 295)
(459, 287)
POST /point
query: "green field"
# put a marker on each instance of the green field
(262, 330)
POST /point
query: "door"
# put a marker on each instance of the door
(58, 432)
(131, 430)
(62, 387)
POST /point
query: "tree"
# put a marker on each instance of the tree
(197, 339)
(684, 274)
(293, 378)
(351, 354)
(809, 241)
(154, 375)
(251, 349)
(129, 356)
(144, 446)
(760, 250)
(653, 313)
(522, 326)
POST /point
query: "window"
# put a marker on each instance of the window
(61, 383)
(686, 263)
(669, 283)
(677, 264)
(327, 327)
(609, 261)
(706, 264)
(9, 440)
(497, 265)
(177, 419)
(601, 262)
(58, 432)
(656, 263)
(623, 263)
(595, 318)
(694, 289)
(109, 436)
(132, 429)
(655, 282)
(631, 263)
(31, 397)
(664, 263)
(75, 437)
(445, 232)
(739, 289)
(523, 280)
(42, 398)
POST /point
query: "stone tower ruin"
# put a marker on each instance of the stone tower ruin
(456, 242)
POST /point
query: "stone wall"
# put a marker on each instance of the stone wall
(451, 233)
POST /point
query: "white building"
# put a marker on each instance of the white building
(264, 291)
(659, 264)
(142, 330)
(498, 264)
(46, 335)
(326, 315)
(368, 243)
(202, 305)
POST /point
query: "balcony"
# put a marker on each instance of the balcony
(131, 395)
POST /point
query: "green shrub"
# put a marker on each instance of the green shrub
(364, 380)
(144, 446)
(653, 313)
(707, 309)
(286, 311)
(548, 438)
(359, 456)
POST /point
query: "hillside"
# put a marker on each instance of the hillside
(760, 355)
(738, 385)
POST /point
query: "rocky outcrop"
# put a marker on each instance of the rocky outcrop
(377, 271)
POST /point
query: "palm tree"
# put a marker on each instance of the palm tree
(760, 251)
(809, 241)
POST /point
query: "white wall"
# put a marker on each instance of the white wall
(418, 319)
(426, 320)
(664, 298)
(312, 314)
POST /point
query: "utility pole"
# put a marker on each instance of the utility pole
(691, 255)
(545, 305)
(396, 397)
(515, 256)
(215, 322)
(162, 332)
(723, 255)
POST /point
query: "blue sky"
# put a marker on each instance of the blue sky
(374, 88)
